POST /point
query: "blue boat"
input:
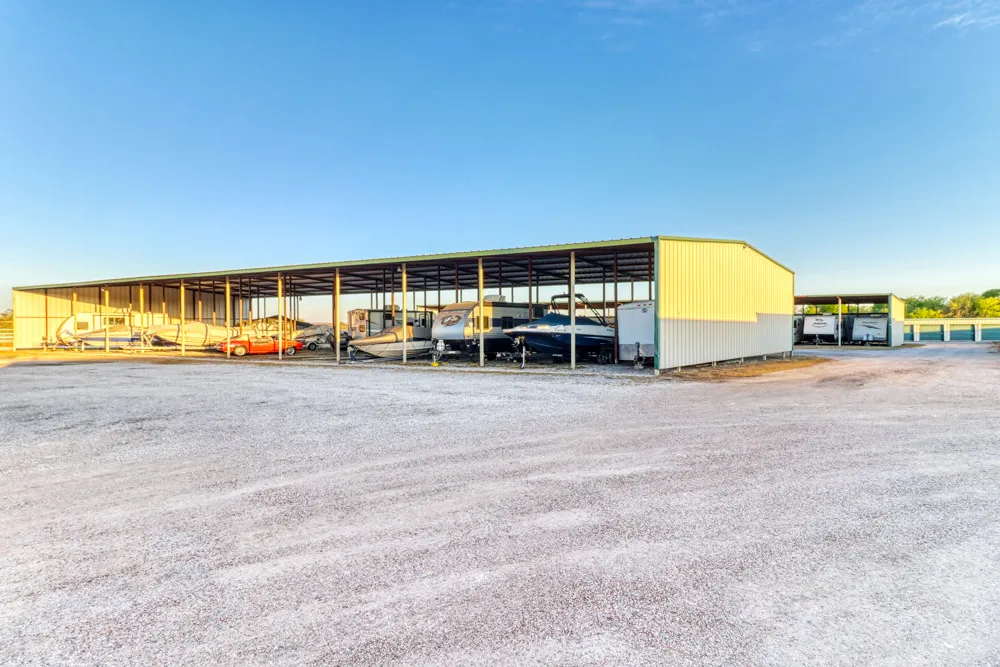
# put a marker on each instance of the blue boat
(550, 335)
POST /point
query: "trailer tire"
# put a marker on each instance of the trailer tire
(312, 346)
(240, 351)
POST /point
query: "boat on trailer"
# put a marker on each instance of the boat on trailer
(88, 328)
(389, 343)
(116, 336)
(551, 335)
(193, 334)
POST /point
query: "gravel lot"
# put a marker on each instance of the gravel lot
(239, 514)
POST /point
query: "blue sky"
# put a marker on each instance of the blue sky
(855, 141)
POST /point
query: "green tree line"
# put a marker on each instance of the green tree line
(6, 319)
(968, 304)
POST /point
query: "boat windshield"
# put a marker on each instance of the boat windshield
(587, 307)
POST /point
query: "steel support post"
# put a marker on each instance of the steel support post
(403, 285)
(482, 317)
(229, 318)
(336, 312)
(572, 309)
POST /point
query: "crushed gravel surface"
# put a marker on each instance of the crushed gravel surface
(846, 513)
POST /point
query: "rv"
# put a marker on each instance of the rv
(870, 329)
(819, 329)
(457, 327)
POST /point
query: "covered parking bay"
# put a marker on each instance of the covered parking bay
(845, 306)
(714, 300)
(230, 298)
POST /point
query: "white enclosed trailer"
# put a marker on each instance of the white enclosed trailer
(636, 323)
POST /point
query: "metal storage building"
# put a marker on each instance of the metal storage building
(716, 300)
(967, 329)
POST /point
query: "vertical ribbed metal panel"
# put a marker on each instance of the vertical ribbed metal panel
(897, 314)
(719, 301)
(29, 319)
(30, 308)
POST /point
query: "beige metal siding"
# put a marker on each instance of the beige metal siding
(897, 315)
(992, 321)
(33, 323)
(720, 301)
(29, 319)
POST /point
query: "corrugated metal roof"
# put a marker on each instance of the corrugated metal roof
(831, 299)
(610, 245)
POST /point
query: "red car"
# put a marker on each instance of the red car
(258, 345)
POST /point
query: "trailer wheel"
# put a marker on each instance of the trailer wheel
(312, 346)
(240, 351)
(290, 351)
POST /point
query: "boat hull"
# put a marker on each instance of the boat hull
(559, 344)
(552, 335)
(114, 341)
(393, 349)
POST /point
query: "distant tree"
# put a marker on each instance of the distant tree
(964, 305)
(991, 293)
(922, 312)
(924, 304)
(7, 318)
(989, 306)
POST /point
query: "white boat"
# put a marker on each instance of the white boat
(389, 343)
(85, 325)
(457, 327)
(193, 334)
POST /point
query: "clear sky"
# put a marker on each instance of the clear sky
(856, 141)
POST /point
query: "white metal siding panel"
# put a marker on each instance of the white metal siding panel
(721, 301)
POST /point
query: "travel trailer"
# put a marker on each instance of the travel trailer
(819, 329)
(870, 329)
(457, 327)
